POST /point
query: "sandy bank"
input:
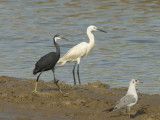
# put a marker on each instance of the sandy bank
(81, 102)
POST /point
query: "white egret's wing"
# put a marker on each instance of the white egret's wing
(75, 52)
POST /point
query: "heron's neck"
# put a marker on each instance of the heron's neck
(132, 89)
(57, 48)
(91, 40)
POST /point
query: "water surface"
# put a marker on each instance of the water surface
(130, 49)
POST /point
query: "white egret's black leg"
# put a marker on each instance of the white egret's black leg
(56, 81)
(78, 74)
(35, 89)
(74, 74)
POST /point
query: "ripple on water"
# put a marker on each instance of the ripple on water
(130, 49)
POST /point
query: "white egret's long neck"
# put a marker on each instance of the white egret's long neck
(132, 89)
(91, 40)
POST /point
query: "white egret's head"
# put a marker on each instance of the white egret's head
(94, 28)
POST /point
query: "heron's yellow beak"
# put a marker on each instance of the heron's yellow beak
(64, 39)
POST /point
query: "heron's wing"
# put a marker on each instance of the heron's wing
(75, 52)
(125, 101)
(46, 62)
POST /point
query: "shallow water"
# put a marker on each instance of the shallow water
(130, 49)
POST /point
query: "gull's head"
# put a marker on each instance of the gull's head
(94, 28)
(58, 37)
(134, 82)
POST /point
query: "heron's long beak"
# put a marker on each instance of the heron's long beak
(101, 30)
(64, 39)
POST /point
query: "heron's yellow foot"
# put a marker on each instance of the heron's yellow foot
(35, 89)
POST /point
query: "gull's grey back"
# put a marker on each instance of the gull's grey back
(125, 102)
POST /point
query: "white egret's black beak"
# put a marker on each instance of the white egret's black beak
(101, 30)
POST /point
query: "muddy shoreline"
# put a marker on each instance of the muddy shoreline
(80, 102)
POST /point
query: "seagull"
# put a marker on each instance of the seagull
(128, 100)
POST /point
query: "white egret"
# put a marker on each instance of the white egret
(80, 50)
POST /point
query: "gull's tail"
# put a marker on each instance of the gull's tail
(108, 110)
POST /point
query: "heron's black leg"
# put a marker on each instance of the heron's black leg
(35, 89)
(38, 76)
(78, 74)
(56, 81)
(54, 74)
(74, 74)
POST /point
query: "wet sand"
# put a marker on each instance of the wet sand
(80, 102)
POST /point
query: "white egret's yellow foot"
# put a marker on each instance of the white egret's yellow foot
(60, 90)
(67, 93)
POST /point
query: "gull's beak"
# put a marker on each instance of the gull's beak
(101, 30)
(139, 82)
(64, 39)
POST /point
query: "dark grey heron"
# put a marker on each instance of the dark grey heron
(48, 62)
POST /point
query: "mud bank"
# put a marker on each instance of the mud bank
(81, 102)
